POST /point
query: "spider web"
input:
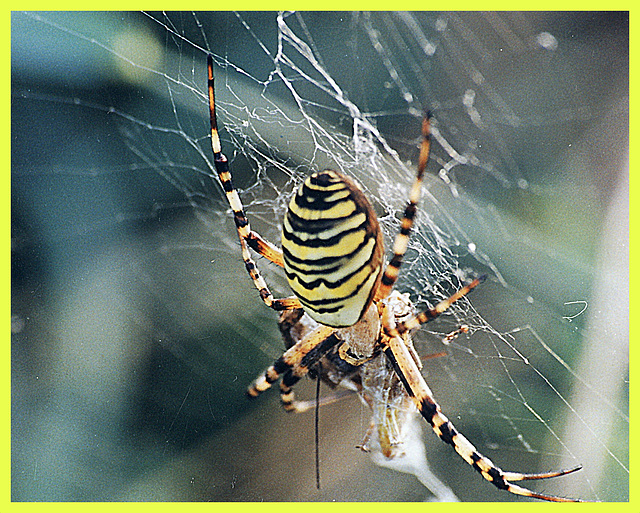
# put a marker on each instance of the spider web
(130, 301)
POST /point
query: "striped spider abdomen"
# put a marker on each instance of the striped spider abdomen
(332, 249)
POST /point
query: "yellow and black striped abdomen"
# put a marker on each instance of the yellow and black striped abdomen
(332, 249)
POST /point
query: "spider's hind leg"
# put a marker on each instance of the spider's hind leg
(401, 243)
(248, 238)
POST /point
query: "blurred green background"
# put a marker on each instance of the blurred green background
(135, 329)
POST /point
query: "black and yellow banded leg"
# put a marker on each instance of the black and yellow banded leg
(428, 315)
(261, 285)
(261, 246)
(401, 243)
(289, 403)
(248, 238)
(296, 361)
(422, 396)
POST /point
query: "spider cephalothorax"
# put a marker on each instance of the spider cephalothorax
(345, 319)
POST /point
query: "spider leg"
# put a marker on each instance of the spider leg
(450, 337)
(261, 285)
(304, 406)
(428, 315)
(423, 398)
(407, 370)
(306, 362)
(402, 239)
(248, 238)
(295, 363)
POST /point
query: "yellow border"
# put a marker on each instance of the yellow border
(6, 505)
(634, 452)
(5, 237)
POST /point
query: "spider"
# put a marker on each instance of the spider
(345, 324)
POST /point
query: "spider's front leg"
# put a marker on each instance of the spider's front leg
(405, 366)
(295, 363)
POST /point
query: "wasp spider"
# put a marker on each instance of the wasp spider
(345, 314)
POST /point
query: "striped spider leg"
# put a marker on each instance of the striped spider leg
(248, 238)
(345, 315)
(416, 387)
